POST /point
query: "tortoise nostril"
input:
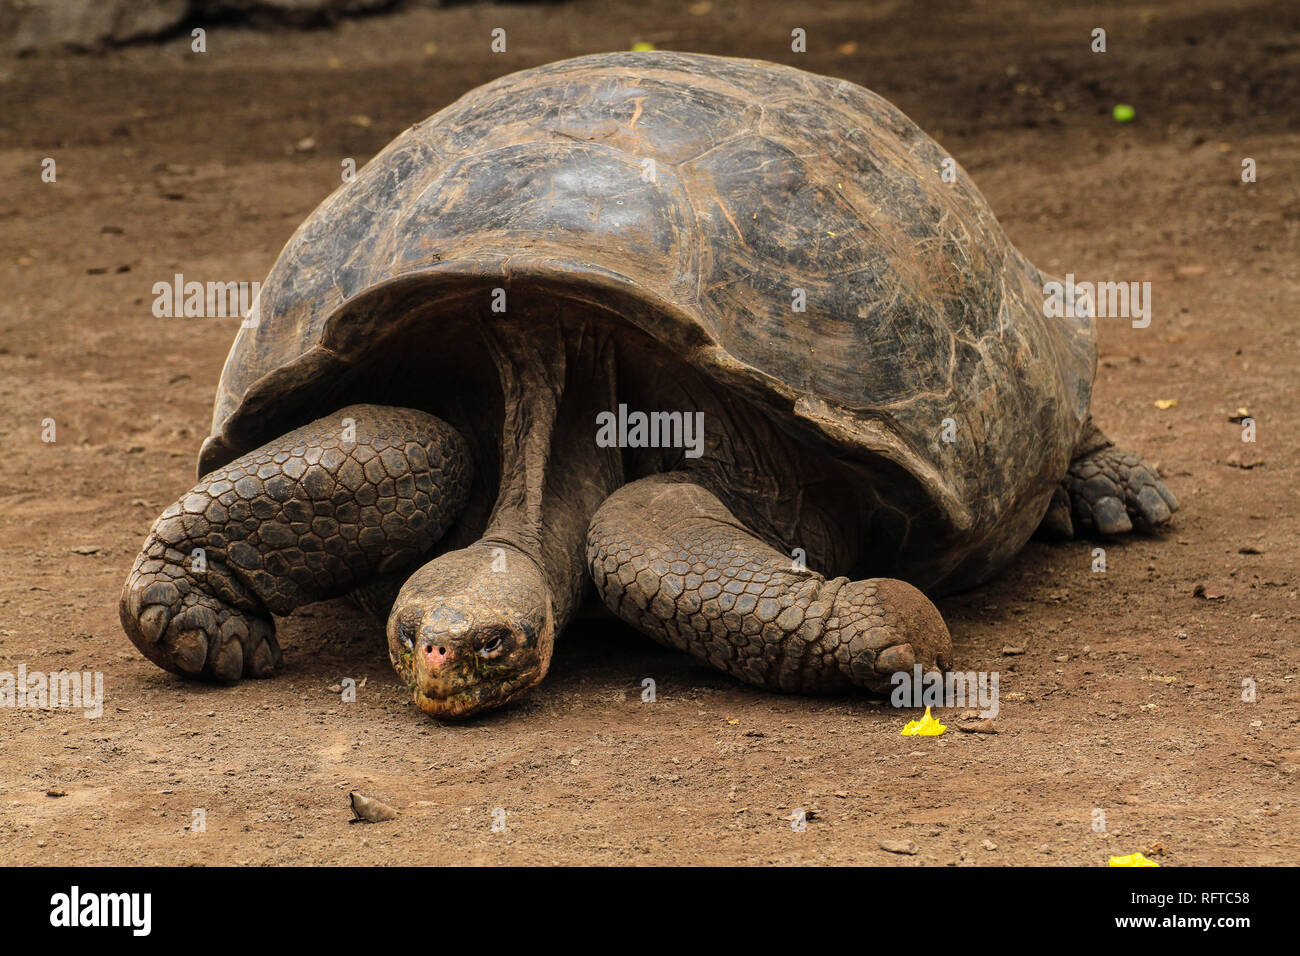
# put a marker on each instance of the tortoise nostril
(438, 653)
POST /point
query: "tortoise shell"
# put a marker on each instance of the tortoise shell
(788, 234)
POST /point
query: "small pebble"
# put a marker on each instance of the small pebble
(369, 810)
(903, 847)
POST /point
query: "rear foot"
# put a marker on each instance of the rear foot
(1109, 490)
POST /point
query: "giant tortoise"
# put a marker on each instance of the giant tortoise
(712, 337)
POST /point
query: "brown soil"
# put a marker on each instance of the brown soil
(1127, 698)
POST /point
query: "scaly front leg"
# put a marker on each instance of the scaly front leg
(671, 560)
(312, 515)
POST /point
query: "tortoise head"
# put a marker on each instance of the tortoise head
(472, 630)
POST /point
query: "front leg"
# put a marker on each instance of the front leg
(671, 560)
(314, 514)
(1106, 489)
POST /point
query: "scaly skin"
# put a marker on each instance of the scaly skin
(1107, 490)
(671, 560)
(306, 517)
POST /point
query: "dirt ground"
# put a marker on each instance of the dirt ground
(1128, 697)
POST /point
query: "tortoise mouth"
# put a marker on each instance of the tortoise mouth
(461, 693)
(456, 707)
(445, 702)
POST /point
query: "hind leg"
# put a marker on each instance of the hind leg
(318, 512)
(1106, 490)
(670, 559)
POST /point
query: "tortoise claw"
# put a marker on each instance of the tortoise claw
(153, 621)
(1151, 505)
(1110, 517)
(188, 651)
(1056, 522)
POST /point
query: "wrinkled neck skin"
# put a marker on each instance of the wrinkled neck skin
(553, 477)
(475, 628)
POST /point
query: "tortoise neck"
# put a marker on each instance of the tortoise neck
(555, 375)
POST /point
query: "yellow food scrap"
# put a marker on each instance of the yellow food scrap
(642, 46)
(1133, 859)
(1166, 403)
(927, 726)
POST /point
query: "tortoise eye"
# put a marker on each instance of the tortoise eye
(493, 644)
(406, 626)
